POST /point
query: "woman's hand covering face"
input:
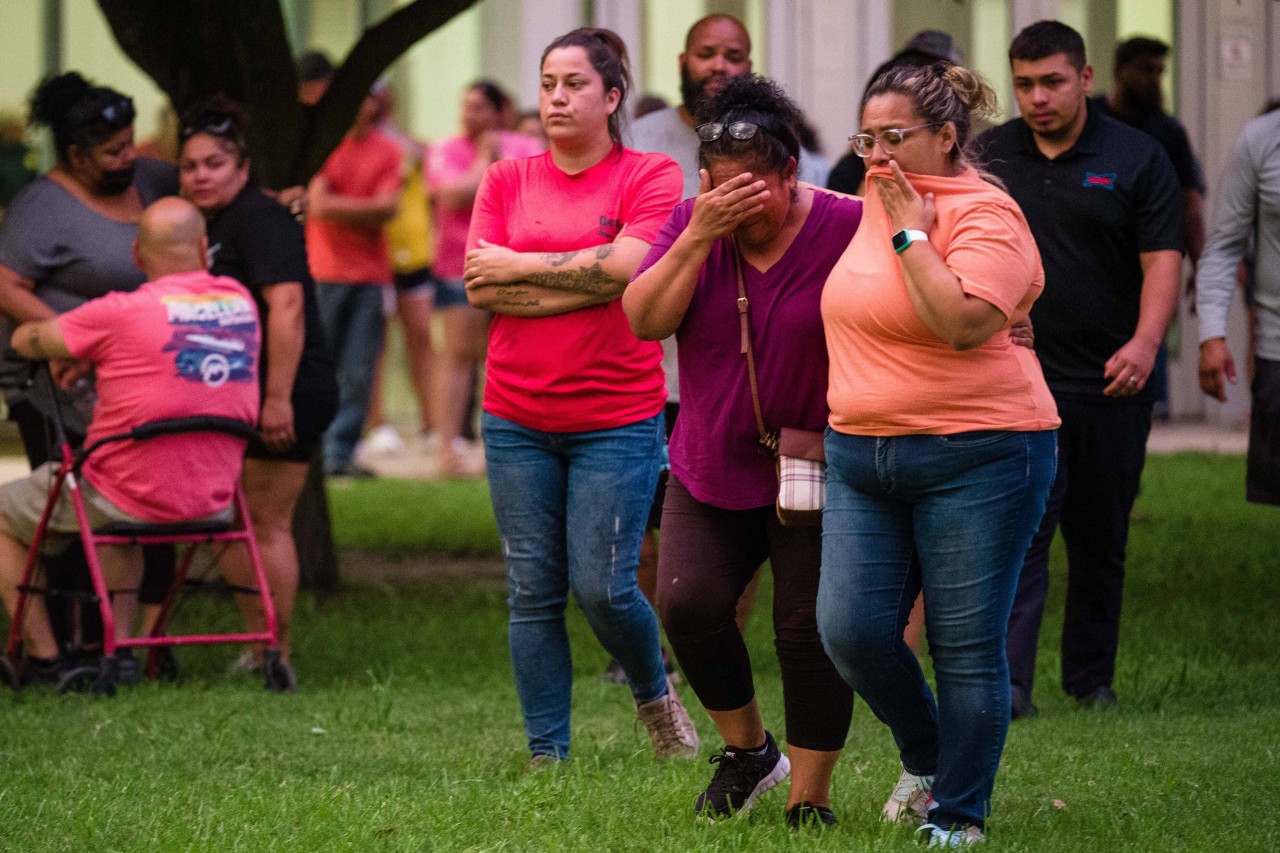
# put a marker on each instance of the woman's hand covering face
(717, 212)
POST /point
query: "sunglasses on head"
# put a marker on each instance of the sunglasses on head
(740, 130)
(118, 110)
(221, 128)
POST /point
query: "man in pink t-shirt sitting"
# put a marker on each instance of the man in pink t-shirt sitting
(185, 343)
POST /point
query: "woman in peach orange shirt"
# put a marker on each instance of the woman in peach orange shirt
(942, 443)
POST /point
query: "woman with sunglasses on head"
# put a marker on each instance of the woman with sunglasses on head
(255, 240)
(719, 522)
(67, 238)
(573, 422)
(942, 443)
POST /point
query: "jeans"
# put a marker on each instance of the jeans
(571, 509)
(1103, 445)
(353, 326)
(966, 505)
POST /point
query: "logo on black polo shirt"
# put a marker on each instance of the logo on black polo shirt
(1106, 180)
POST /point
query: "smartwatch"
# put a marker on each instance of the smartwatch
(905, 238)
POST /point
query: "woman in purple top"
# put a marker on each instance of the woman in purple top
(719, 523)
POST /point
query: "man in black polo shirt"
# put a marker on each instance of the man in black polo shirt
(1137, 101)
(1103, 203)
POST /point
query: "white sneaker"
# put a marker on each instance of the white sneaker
(910, 799)
(382, 441)
(939, 837)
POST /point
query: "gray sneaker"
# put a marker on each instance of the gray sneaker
(670, 728)
(910, 799)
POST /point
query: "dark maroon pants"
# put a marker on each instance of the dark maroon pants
(707, 557)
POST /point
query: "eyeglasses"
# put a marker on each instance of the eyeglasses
(739, 130)
(865, 143)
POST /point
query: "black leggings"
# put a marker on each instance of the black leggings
(707, 557)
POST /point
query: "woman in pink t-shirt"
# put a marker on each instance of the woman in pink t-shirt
(573, 423)
(454, 169)
(941, 447)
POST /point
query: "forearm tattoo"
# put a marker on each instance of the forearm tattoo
(588, 280)
(515, 298)
(591, 280)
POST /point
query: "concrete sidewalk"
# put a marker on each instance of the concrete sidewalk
(1165, 438)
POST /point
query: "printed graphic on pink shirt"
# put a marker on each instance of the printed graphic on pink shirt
(214, 337)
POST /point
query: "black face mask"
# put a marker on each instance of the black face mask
(115, 181)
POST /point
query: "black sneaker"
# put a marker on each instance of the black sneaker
(1020, 704)
(741, 777)
(43, 670)
(1098, 699)
(810, 814)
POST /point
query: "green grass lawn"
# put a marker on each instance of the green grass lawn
(406, 733)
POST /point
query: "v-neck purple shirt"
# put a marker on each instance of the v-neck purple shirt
(715, 447)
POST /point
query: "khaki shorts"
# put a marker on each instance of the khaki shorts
(22, 502)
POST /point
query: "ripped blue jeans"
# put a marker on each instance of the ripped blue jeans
(571, 509)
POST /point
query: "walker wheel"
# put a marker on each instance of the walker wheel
(9, 673)
(108, 676)
(78, 679)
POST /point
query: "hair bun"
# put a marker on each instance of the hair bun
(55, 97)
(973, 89)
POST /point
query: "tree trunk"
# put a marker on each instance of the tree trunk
(194, 49)
(312, 533)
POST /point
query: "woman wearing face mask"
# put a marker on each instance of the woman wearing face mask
(255, 240)
(68, 238)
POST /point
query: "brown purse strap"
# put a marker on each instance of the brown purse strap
(766, 438)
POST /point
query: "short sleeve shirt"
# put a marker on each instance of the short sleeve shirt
(73, 253)
(581, 370)
(257, 242)
(715, 450)
(890, 373)
(360, 167)
(183, 345)
(1093, 210)
(447, 161)
(1171, 135)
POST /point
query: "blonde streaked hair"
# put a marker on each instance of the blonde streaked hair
(943, 92)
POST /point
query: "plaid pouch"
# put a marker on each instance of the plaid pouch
(802, 477)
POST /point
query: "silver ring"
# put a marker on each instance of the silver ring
(1133, 380)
